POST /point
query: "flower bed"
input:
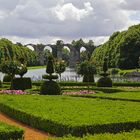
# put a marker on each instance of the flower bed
(81, 92)
(19, 92)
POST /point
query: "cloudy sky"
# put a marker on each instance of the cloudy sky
(45, 21)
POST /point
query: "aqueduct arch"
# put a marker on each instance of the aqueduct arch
(57, 51)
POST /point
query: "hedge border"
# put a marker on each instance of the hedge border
(14, 133)
(58, 129)
(108, 98)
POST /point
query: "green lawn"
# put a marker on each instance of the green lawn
(63, 114)
(8, 132)
(130, 95)
(133, 135)
(36, 67)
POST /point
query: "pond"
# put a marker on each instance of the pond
(69, 75)
(36, 74)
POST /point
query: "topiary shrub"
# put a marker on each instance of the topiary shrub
(0, 83)
(104, 82)
(7, 78)
(21, 83)
(50, 88)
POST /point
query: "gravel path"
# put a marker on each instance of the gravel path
(30, 133)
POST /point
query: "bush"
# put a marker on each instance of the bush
(49, 77)
(8, 132)
(21, 83)
(50, 88)
(104, 82)
(0, 83)
(7, 78)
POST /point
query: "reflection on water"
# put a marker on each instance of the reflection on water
(68, 75)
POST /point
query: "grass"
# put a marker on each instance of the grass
(36, 67)
(131, 95)
(75, 112)
(134, 135)
(8, 132)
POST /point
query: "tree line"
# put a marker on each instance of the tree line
(122, 49)
(10, 51)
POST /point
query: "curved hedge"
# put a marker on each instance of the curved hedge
(8, 132)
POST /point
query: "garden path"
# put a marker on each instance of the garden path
(30, 133)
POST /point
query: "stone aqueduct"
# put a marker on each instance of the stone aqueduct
(57, 51)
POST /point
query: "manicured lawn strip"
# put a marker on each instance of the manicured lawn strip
(8, 132)
(126, 96)
(62, 115)
(36, 67)
(134, 135)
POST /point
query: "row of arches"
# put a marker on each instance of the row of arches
(57, 51)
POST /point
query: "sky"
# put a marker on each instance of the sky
(45, 21)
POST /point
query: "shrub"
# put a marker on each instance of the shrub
(49, 76)
(0, 83)
(50, 88)
(7, 78)
(104, 82)
(21, 83)
(8, 132)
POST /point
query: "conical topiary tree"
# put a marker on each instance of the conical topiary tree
(50, 87)
(105, 81)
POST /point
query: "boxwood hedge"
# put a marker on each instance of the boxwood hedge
(8, 132)
(62, 115)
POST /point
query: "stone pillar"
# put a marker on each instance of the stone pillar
(74, 57)
(39, 49)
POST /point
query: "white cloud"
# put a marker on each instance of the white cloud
(45, 21)
(70, 12)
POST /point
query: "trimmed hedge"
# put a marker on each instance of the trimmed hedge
(50, 88)
(104, 82)
(60, 128)
(130, 84)
(7, 78)
(8, 132)
(21, 83)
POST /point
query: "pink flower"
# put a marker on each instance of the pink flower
(18, 92)
(79, 92)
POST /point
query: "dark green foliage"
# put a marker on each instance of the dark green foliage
(60, 67)
(0, 83)
(50, 88)
(21, 83)
(7, 78)
(104, 82)
(61, 115)
(49, 77)
(122, 49)
(9, 67)
(114, 71)
(105, 65)
(88, 78)
(50, 65)
(8, 132)
(22, 70)
(10, 51)
(87, 69)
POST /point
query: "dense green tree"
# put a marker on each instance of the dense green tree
(88, 70)
(10, 51)
(60, 67)
(122, 49)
